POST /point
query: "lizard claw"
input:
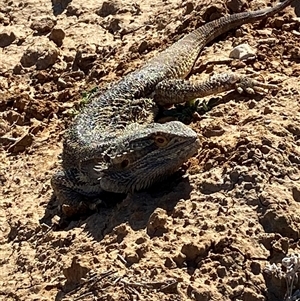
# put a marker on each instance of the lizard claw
(93, 205)
(252, 86)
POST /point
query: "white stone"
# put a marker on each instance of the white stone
(243, 52)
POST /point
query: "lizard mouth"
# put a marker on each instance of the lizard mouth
(151, 168)
(181, 150)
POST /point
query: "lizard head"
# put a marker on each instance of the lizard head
(145, 155)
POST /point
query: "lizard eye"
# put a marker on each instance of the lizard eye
(161, 141)
(124, 163)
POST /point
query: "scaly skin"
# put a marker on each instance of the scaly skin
(114, 144)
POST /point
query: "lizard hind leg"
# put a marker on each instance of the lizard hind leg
(177, 91)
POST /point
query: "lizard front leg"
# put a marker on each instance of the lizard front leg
(71, 193)
(177, 91)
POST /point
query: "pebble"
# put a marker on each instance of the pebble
(189, 7)
(296, 33)
(74, 10)
(251, 104)
(157, 223)
(278, 22)
(108, 8)
(267, 110)
(6, 38)
(57, 35)
(213, 12)
(243, 52)
(4, 20)
(132, 257)
(143, 47)
(112, 25)
(236, 5)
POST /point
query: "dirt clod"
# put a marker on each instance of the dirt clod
(43, 25)
(108, 8)
(42, 54)
(57, 35)
(6, 38)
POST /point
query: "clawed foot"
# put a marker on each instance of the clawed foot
(84, 207)
(252, 86)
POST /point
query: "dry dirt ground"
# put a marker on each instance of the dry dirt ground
(208, 232)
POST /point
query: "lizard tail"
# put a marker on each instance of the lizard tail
(211, 30)
(182, 55)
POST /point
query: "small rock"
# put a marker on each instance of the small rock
(265, 149)
(236, 5)
(68, 58)
(4, 19)
(266, 32)
(142, 47)
(157, 224)
(169, 263)
(140, 240)
(255, 268)
(108, 8)
(6, 38)
(213, 130)
(251, 104)
(278, 22)
(61, 84)
(43, 53)
(267, 110)
(242, 52)
(248, 186)
(114, 26)
(295, 53)
(221, 271)
(276, 221)
(194, 252)
(296, 194)
(296, 33)
(43, 25)
(189, 7)
(57, 35)
(238, 64)
(202, 295)
(84, 58)
(180, 260)
(213, 12)
(238, 33)
(74, 10)
(132, 257)
(18, 69)
(42, 77)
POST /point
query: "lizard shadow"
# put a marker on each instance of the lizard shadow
(231, 96)
(134, 209)
(186, 112)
